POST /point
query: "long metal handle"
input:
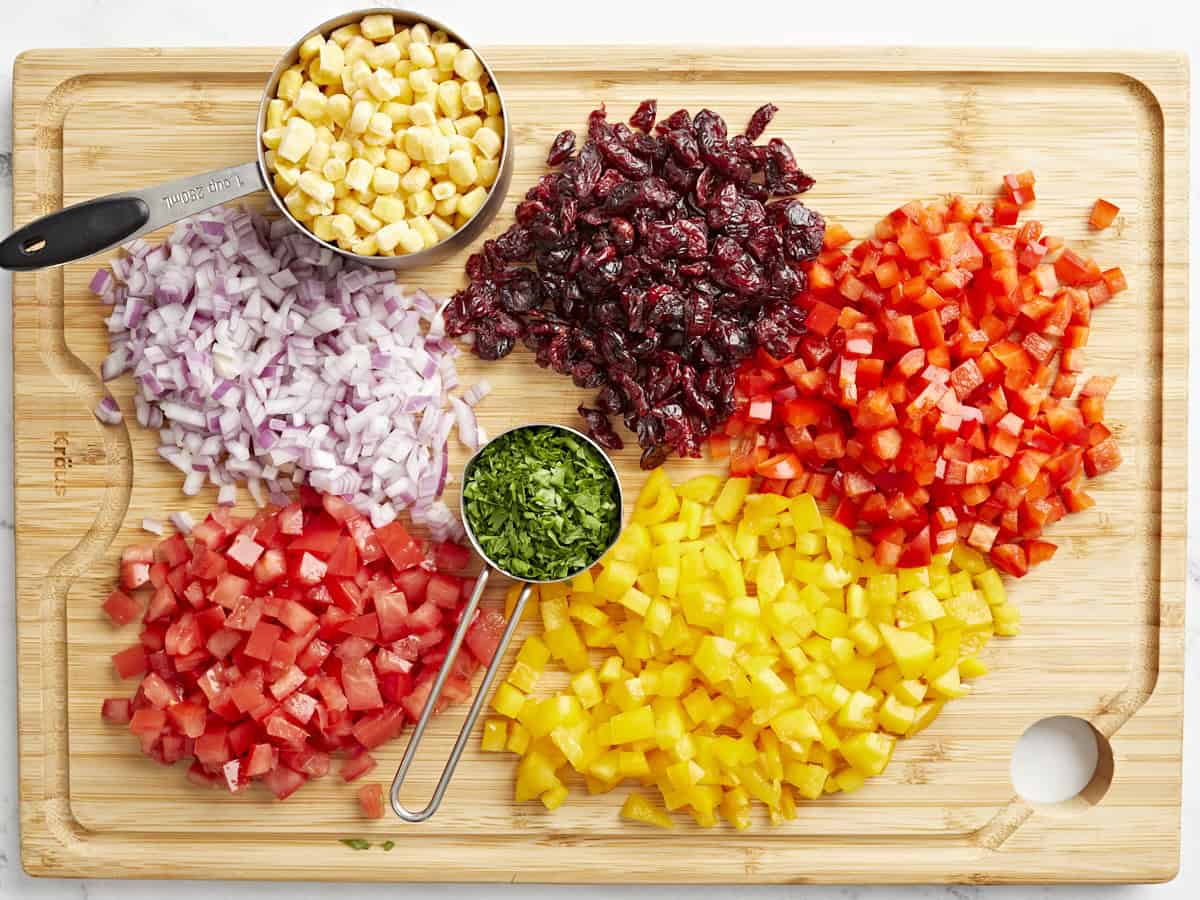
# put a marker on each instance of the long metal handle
(95, 226)
(414, 742)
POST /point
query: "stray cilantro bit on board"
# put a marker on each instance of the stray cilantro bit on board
(356, 843)
(388, 845)
(542, 502)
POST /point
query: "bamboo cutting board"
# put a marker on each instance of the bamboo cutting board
(1103, 631)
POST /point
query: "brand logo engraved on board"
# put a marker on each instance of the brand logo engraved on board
(62, 461)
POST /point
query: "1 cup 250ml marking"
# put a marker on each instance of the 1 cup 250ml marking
(217, 185)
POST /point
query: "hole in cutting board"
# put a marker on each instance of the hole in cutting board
(1062, 763)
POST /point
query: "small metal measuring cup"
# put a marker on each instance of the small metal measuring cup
(414, 741)
(98, 225)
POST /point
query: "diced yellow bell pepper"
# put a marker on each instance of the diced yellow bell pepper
(583, 583)
(970, 610)
(806, 516)
(702, 488)
(617, 577)
(638, 809)
(587, 688)
(869, 752)
(523, 676)
(895, 716)
(633, 725)
(918, 605)
(553, 798)
(714, 658)
(495, 735)
(508, 700)
(926, 713)
(972, 667)
(913, 652)
(911, 692)
(510, 602)
(565, 645)
(729, 502)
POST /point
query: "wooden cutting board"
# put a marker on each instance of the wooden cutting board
(1103, 633)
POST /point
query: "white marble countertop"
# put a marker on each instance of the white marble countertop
(1158, 24)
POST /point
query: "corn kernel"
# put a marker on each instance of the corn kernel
(343, 226)
(422, 114)
(316, 187)
(383, 56)
(289, 85)
(364, 219)
(385, 181)
(489, 171)
(421, 225)
(378, 26)
(450, 99)
(311, 47)
(360, 117)
(397, 161)
(334, 170)
(444, 190)
(487, 141)
(472, 96)
(491, 103)
(414, 142)
(382, 85)
(359, 174)
(495, 123)
(330, 61)
(421, 82)
(446, 126)
(389, 235)
(467, 65)
(421, 55)
(436, 149)
(272, 137)
(468, 125)
(415, 180)
(470, 202)
(446, 210)
(412, 242)
(380, 124)
(444, 54)
(389, 208)
(419, 33)
(399, 113)
(275, 111)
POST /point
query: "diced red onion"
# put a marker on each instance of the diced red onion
(107, 411)
(182, 521)
(154, 526)
(263, 358)
(477, 391)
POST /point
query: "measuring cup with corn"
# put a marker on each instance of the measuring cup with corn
(468, 615)
(381, 135)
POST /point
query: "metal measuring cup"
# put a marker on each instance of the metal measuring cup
(489, 675)
(98, 225)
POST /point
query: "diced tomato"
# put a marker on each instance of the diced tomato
(370, 798)
(398, 544)
(121, 608)
(130, 662)
(483, 637)
(283, 782)
(357, 766)
(444, 591)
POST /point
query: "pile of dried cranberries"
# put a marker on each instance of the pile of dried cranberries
(271, 642)
(651, 263)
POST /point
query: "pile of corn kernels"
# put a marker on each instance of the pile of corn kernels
(384, 142)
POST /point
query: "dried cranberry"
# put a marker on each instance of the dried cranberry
(759, 121)
(646, 267)
(563, 146)
(643, 117)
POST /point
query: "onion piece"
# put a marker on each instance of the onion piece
(108, 412)
(182, 521)
(154, 526)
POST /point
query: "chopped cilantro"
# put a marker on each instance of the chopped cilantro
(542, 503)
(356, 843)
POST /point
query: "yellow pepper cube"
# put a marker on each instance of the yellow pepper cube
(868, 752)
(729, 502)
(535, 776)
(565, 645)
(1008, 619)
(806, 516)
(658, 617)
(832, 623)
(586, 686)
(714, 658)
(508, 700)
(611, 670)
(632, 764)
(523, 676)
(702, 488)
(638, 809)
(633, 725)
(989, 583)
(615, 579)
(795, 725)
(913, 652)
(635, 601)
(553, 798)
(918, 605)
(970, 610)
(519, 738)
(495, 735)
(896, 716)
(534, 653)
(858, 712)
(583, 583)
